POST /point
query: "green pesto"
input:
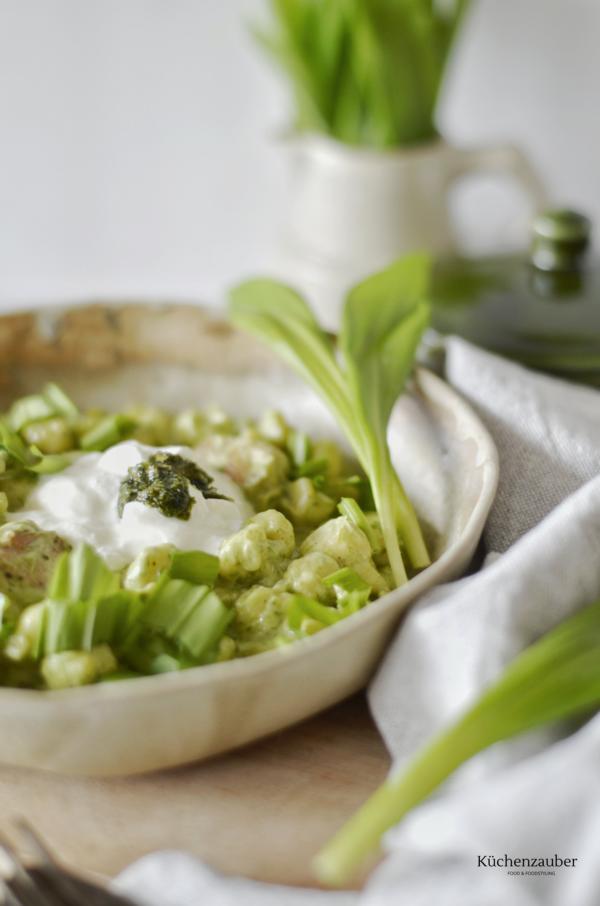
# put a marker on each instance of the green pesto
(163, 482)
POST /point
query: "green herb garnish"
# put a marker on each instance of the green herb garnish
(556, 678)
(110, 430)
(191, 616)
(180, 619)
(352, 594)
(346, 581)
(26, 458)
(85, 607)
(301, 606)
(163, 482)
(52, 401)
(188, 469)
(384, 318)
(16, 450)
(351, 510)
(194, 566)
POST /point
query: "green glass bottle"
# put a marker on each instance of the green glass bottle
(541, 308)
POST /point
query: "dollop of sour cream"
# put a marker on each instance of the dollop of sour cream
(80, 504)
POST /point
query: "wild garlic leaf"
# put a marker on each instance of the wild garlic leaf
(383, 322)
(278, 315)
(384, 319)
(556, 678)
(362, 393)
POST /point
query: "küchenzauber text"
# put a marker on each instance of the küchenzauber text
(505, 861)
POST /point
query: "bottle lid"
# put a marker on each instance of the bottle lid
(560, 238)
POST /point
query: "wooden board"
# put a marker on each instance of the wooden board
(261, 812)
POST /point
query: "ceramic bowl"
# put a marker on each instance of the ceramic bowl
(176, 356)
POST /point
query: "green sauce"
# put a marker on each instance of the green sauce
(163, 482)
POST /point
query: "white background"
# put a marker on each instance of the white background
(140, 148)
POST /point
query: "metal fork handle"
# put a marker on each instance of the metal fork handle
(47, 883)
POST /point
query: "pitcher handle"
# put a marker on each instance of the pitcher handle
(505, 159)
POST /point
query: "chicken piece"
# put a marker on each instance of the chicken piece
(260, 550)
(68, 669)
(258, 467)
(305, 504)
(27, 559)
(340, 539)
(259, 612)
(304, 576)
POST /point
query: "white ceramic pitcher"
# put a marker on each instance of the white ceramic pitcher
(352, 210)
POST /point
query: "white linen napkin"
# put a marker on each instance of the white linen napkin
(533, 797)
(547, 433)
(176, 879)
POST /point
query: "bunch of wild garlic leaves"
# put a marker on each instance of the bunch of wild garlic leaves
(365, 72)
